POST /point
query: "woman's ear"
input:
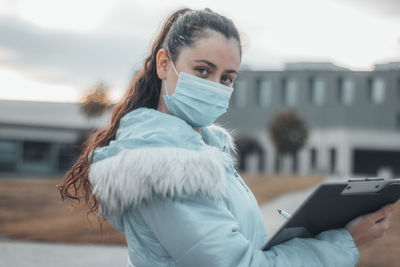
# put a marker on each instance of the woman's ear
(162, 62)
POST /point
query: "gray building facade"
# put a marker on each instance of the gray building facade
(41, 137)
(353, 119)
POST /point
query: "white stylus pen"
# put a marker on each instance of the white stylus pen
(284, 213)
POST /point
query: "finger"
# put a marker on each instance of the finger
(381, 213)
(381, 227)
(384, 221)
(384, 218)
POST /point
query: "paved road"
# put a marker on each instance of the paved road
(272, 219)
(24, 254)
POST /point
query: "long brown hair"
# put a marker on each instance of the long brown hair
(180, 30)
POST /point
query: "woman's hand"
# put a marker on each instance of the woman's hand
(370, 226)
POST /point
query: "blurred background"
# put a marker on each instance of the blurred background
(317, 98)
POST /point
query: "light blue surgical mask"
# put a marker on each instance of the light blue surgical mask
(197, 101)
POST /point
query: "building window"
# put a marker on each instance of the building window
(376, 90)
(346, 91)
(264, 88)
(277, 163)
(8, 155)
(313, 158)
(283, 91)
(398, 121)
(295, 164)
(398, 88)
(68, 154)
(317, 91)
(239, 94)
(339, 89)
(35, 151)
(332, 154)
(289, 90)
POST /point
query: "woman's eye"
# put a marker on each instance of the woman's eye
(202, 71)
(227, 80)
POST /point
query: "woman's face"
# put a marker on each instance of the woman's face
(212, 57)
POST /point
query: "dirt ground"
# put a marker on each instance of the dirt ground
(265, 187)
(31, 209)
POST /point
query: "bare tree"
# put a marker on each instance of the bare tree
(96, 100)
(288, 133)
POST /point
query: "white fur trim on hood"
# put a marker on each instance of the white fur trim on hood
(229, 135)
(132, 176)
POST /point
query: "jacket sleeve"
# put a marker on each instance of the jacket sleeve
(203, 232)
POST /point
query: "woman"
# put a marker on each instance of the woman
(163, 174)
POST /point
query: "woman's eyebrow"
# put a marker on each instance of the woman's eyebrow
(232, 71)
(212, 65)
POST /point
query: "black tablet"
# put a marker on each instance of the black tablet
(332, 205)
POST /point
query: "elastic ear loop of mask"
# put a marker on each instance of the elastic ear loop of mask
(166, 88)
(177, 74)
(173, 66)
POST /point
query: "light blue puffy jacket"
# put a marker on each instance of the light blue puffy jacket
(176, 195)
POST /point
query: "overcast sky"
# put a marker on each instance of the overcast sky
(53, 50)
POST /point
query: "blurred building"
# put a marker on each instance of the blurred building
(353, 118)
(41, 137)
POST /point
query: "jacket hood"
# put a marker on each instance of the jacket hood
(155, 153)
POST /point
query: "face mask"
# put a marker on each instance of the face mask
(197, 101)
